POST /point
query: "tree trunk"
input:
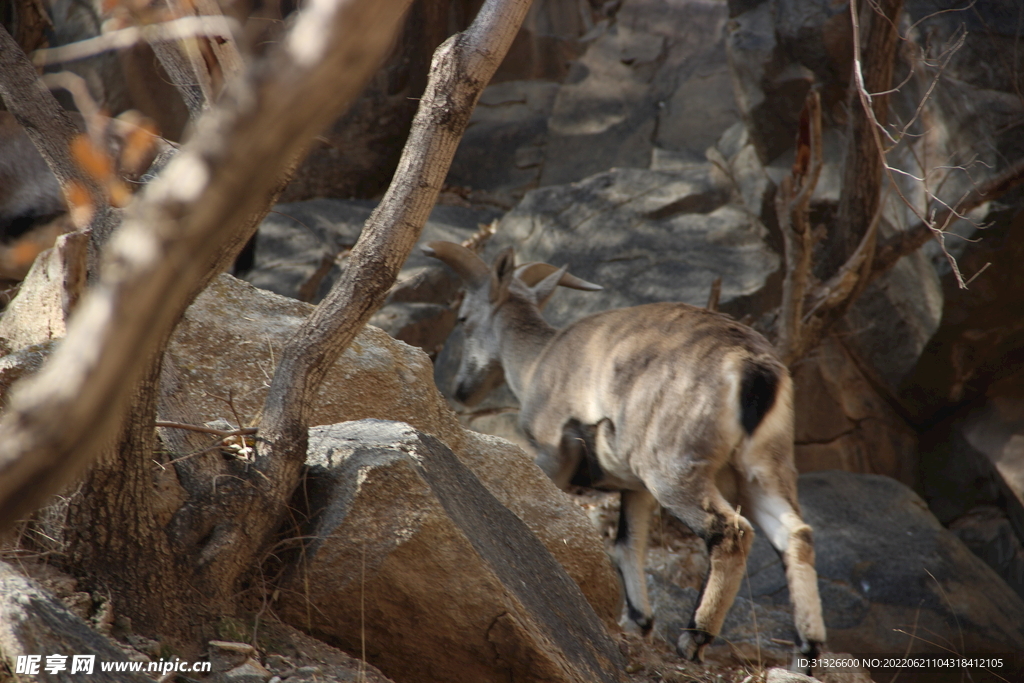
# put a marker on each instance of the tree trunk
(862, 175)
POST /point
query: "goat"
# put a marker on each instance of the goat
(657, 401)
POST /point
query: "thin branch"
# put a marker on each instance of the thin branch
(714, 294)
(908, 241)
(177, 29)
(243, 431)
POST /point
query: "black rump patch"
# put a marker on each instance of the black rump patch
(757, 394)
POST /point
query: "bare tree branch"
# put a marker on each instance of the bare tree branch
(183, 227)
(184, 62)
(792, 203)
(908, 241)
(176, 29)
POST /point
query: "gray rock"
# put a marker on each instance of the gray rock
(502, 150)
(45, 299)
(451, 584)
(987, 531)
(37, 624)
(644, 235)
(976, 460)
(844, 423)
(894, 319)
(416, 324)
(296, 657)
(296, 240)
(652, 74)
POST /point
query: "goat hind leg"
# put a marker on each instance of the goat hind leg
(630, 554)
(778, 515)
(728, 537)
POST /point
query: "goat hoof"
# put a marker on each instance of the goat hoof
(802, 658)
(644, 622)
(692, 642)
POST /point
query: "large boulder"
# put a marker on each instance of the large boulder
(844, 423)
(643, 235)
(626, 81)
(222, 356)
(411, 555)
(892, 580)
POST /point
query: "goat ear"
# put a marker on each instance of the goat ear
(543, 290)
(502, 271)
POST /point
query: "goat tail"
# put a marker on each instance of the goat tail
(759, 389)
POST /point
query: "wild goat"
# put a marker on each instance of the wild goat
(656, 401)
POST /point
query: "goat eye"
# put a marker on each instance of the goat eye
(461, 320)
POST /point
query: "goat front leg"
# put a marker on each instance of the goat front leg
(630, 554)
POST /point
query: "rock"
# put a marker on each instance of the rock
(30, 192)
(644, 235)
(48, 294)
(226, 655)
(297, 244)
(975, 349)
(401, 523)
(751, 45)
(551, 36)
(777, 675)
(843, 423)
(888, 573)
(895, 318)
(643, 75)
(885, 563)
(294, 239)
(989, 534)
(976, 460)
(296, 657)
(502, 150)
(250, 671)
(33, 623)
(226, 346)
(416, 324)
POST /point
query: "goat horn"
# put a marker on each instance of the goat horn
(532, 273)
(463, 261)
